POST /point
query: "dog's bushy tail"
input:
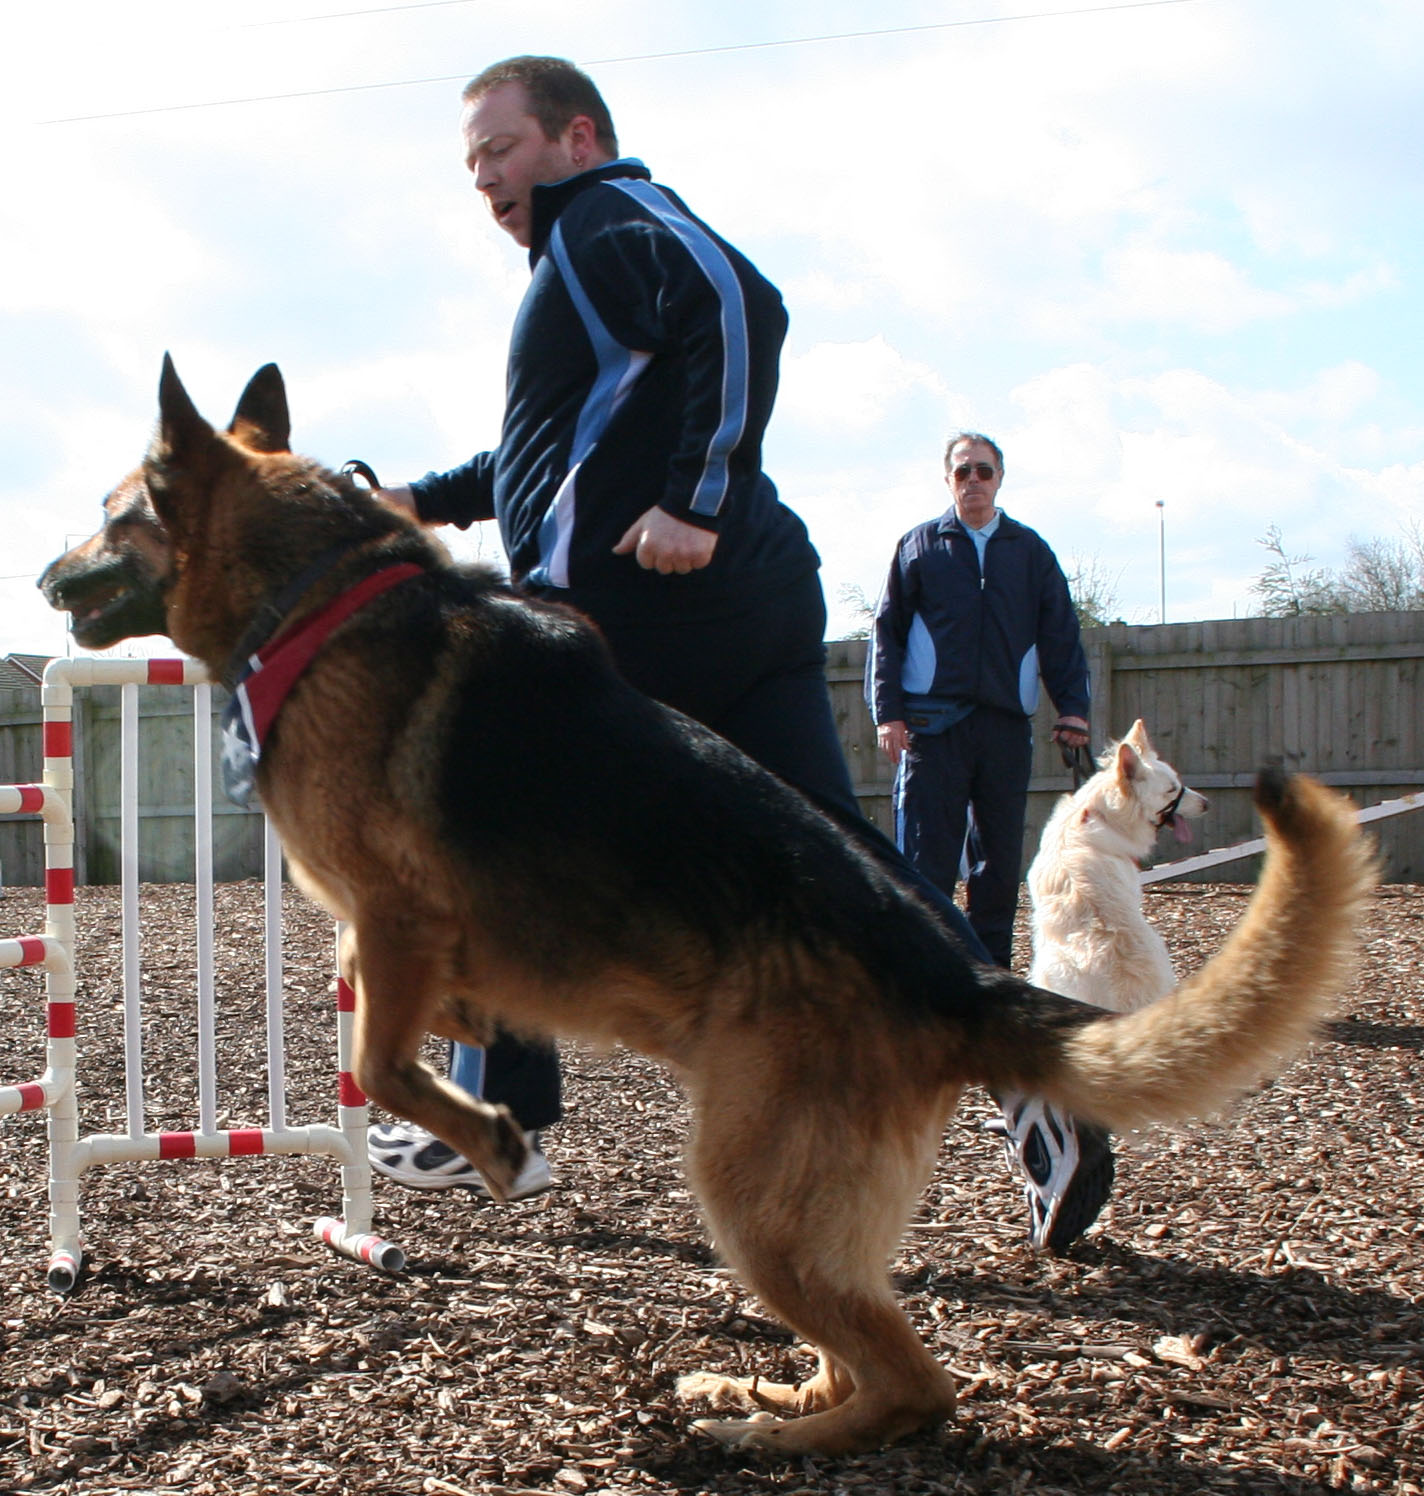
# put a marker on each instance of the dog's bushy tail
(1249, 1009)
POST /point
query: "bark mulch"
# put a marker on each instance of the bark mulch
(1248, 1316)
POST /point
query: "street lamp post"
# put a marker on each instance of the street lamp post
(1161, 561)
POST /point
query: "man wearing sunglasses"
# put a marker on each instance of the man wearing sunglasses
(974, 610)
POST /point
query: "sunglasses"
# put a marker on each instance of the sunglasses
(981, 470)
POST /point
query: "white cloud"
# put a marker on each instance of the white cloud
(1352, 288)
(1332, 396)
(106, 248)
(850, 387)
(1200, 288)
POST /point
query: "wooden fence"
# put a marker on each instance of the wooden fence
(1338, 697)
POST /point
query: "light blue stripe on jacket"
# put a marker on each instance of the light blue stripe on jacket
(711, 487)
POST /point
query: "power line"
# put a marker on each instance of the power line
(344, 15)
(794, 41)
(850, 36)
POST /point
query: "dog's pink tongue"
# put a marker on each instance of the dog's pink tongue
(1181, 829)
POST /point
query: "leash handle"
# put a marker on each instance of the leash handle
(1079, 763)
(362, 470)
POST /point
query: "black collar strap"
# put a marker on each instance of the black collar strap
(272, 613)
(270, 673)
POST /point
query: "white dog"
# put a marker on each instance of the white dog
(1091, 939)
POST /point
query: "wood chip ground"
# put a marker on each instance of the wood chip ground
(1247, 1317)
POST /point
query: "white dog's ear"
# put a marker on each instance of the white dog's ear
(1129, 765)
(1137, 736)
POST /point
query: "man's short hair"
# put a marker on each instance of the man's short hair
(973, 436)
(557, 92)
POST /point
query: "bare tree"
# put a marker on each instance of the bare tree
(1287, 590)
(1384, 576)
(1094, 591)
(1380, 576)
(851, 596)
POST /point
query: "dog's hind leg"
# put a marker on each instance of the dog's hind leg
(877, 1380)
(400, 984)
(809, 1215)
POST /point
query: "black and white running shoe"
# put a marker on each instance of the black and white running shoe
(419, 1160)
(1067, 1168)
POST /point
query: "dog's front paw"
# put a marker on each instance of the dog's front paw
(506, 1154)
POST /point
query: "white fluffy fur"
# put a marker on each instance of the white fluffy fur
(1091, 939)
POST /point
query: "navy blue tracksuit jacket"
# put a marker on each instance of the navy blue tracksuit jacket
(642, 371)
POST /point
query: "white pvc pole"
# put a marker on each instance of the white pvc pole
(272, 893)
(128, 854)
(203, 889)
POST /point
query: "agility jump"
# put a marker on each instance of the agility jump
(71, 1154)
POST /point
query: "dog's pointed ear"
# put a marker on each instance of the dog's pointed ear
(181, 430)
(261, 420)
(179, 448)
(1137, 736)
(1129, 764)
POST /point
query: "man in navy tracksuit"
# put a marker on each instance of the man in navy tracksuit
(627, 482)
(974, 610)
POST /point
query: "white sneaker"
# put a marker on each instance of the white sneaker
(420, 1161)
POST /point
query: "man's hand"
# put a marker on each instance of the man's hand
(659, 541)
(894, 740)
(399, 497)
(1071, 732)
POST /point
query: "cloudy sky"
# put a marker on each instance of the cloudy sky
(1166, 252)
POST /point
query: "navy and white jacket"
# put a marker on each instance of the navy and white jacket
(945, 632)
(642, 371)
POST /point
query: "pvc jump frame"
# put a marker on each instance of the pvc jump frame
(71, 1154)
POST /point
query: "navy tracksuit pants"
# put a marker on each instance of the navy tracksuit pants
(970, 782)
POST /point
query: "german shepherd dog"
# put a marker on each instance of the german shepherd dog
(515, 834)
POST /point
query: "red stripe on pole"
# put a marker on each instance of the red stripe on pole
(345, 996)
(31, 798)
(31, 1098)
(59, 885)
(61, 1020)
(58, 739)
(165, 672)
(348, 1092)
(32, 950)
(245, 1140)
(177, 1145)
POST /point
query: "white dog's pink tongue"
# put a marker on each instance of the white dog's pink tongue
(1181, 829)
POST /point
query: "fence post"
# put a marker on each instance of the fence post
(1100, 662)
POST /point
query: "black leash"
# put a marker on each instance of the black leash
(1079, 763)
